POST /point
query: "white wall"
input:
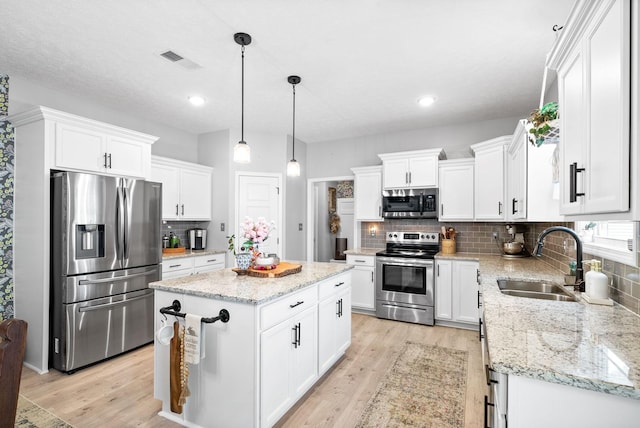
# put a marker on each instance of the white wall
(337, 157)
(295, 206)
(172, 142)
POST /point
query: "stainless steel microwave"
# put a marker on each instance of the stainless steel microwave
(410, 203)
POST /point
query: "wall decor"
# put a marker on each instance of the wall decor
(331, 199)
(345, 189)
(7, 162)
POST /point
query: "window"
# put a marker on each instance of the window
(614, 240)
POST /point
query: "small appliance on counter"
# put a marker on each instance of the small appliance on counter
(197, 239)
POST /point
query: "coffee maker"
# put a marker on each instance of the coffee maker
(197, 239)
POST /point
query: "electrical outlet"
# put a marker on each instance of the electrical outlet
(221, 227)
(299, 226)
(495, 235)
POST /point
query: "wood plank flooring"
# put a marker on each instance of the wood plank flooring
(119, 392)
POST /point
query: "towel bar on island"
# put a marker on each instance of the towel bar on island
(175, 308)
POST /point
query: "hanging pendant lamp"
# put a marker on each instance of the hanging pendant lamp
(293, 167)
(242, 151)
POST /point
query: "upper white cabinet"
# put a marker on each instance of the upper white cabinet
(489, 179)
(531, 179)
(86, 145)
(592, 59)
(368, 193)
(186, 189)
(410, 170)
(456, 189)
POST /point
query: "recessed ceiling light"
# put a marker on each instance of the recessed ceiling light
(196, 100)
(426, 101)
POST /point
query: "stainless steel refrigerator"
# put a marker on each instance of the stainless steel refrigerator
(106, 248)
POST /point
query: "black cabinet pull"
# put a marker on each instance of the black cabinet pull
(371, 276)
(182, 209)
(480, 336)
(299, 333)
(296, 304)
(338, 308)
(499, 208)
(573, 182)
(478, 276)
(486, 411)
(479, 303)
(176, 209)
(339, 284)
(295, 336)
(105, 159)
(514, 201)
(109, 160)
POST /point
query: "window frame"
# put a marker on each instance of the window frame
(618, 255)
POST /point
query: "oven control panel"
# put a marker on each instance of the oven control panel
(413, 237)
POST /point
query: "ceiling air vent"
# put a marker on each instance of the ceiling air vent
(179, 59)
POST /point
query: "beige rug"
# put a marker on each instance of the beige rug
(425, 387)
(30, 415)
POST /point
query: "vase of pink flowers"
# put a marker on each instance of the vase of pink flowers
(255, 233)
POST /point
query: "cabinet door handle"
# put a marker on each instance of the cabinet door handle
(105, 160)
(176, 210)
(406, 178)
(441, 209)
(338, 308)
(109, 160)
(499, 208)
(409, 177)
(371, 276)
(360, 261)
(438, 274)
(182, 209)
(212, 260)
(486, 411)
(514, 201)
(174, 266)
(573, 182)
(299, 333)
(480, 336)
(479, 303)
(295, 336)
(478, 276)
(339, 284)
(379, 210)
(296, 304)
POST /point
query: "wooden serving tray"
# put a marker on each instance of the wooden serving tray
(283, 269)
(173, 250)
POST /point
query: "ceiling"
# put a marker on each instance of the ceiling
(363, 63)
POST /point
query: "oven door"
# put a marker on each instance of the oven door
(404, 280)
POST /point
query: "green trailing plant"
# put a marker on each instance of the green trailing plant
(539, 121)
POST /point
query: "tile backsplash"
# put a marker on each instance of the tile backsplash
(559, 249)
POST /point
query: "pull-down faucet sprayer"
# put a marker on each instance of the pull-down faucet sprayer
(579, 272)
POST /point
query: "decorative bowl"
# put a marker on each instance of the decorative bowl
(264, 261)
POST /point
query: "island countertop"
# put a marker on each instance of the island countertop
(571, 343)
(225, 284)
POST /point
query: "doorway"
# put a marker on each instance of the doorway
(321, 242)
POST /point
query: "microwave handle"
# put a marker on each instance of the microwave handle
(421, 204)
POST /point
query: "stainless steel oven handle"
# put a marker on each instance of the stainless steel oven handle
(115, 279)
(109, 305)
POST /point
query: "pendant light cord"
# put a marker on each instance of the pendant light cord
(293, 153)
(242, 115)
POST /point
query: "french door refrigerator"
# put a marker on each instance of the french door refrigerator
(105, 250)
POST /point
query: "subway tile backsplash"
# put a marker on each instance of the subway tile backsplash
(559, 249)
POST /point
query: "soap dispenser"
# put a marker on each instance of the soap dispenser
(596, 282)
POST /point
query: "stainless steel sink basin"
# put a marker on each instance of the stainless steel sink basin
(535, 290)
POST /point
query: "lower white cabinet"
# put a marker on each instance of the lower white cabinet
(363, 292)
(190, 265)
(456, 292)
(288, 360)
(334, 315)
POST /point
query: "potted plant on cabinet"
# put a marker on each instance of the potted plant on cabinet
(543, 125)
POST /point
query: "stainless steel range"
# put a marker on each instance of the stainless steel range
(404, 277)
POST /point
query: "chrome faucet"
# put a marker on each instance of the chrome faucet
(579, 272)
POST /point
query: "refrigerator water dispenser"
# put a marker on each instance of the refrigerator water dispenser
(89, 241)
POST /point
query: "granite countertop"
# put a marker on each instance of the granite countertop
(571, 343)
(225, 284)
(363, 251)
(192, 253)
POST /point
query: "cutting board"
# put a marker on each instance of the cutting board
(283, 269)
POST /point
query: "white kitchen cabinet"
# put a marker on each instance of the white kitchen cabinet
(411, 170)
(517, 175)
(489, 179)
(456, 189)
(288, 353)
(456, 293)
(363, 292)
(186, 189)
(368, 193)
(592, 59)
(90, 146)
(177, 267)
(334, 321)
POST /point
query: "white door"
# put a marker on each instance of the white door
(259, 196)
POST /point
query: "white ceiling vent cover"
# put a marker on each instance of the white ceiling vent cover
(179, 59)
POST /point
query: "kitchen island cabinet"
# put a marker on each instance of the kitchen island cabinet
(565, 363)
(257, 365)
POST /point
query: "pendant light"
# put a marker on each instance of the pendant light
(242, 151)
(293, 167)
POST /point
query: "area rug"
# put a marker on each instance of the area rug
(425, 387)
(30, 415)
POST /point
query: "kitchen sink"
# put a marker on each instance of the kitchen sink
(535, 290)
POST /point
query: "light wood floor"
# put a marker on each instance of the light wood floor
(119, 392)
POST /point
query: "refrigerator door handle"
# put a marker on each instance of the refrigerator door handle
(115, 278)
(120, 213)
(125, 237)
(112, 304)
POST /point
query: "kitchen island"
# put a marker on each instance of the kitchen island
(557, 363)
(282, 335)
